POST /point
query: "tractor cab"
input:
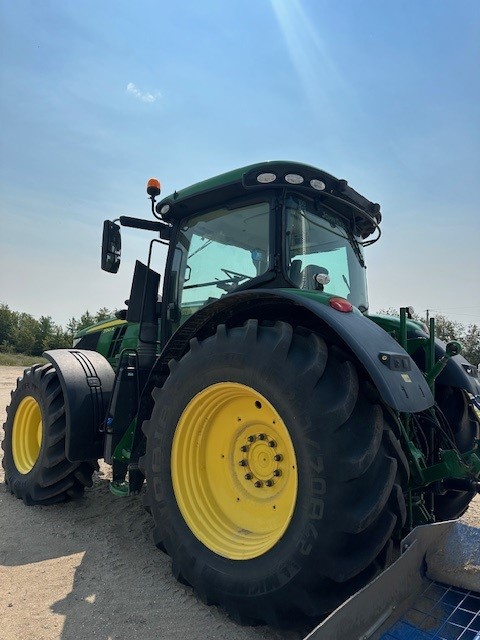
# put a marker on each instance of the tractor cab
(230, 249)
(274, 225)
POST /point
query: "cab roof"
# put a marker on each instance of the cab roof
(277, 175)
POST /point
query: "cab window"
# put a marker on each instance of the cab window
(218, 251)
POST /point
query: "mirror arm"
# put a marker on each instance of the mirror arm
(138, 223)
(148, 225)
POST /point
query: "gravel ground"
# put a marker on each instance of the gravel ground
(88, 569)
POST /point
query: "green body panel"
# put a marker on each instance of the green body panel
(391, 324)
(224, 179)
(123, 450)
(98, 326)
(230, 177)
(105, 340)
(114, 337)
(129, 341)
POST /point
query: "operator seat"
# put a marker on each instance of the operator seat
(307, 277)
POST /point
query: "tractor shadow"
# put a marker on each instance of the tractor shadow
(123, 588)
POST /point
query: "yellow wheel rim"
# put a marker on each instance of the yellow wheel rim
(27, 434)
(234, 471)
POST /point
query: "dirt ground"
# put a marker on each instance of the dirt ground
(89, 569)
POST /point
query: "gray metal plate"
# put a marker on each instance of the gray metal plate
(439, 612)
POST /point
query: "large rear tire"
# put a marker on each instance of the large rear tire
(466, 429)
(36, 468)
(274, 481)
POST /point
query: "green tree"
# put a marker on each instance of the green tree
(72, 327)
(86, 319)
(44, 335)
(6, 326)
(471, 344)
(103, 314)
(61, 339)
(21, 332)
(447, 330)
(24, 333)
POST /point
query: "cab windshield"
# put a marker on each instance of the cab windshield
(217, 251)
(322, 253)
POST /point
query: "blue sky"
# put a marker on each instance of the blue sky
(98, 96)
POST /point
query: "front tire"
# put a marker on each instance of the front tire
(36, 468)
(238, 407)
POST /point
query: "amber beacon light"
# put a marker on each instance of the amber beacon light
(153, 187)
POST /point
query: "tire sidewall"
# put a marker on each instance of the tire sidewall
(27, 386)
(286, 393)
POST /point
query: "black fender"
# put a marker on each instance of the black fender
(87, 381)
(458, 371)
(397, 378)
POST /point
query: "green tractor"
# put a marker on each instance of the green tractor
(288, 439)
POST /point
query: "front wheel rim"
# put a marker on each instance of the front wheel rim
(234, 471)
(27, 434)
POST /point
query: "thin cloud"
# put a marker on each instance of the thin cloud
(309, 51)
(144, 96)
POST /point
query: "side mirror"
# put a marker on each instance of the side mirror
(111, 247)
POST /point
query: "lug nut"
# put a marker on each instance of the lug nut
(244, 448)
(278, 457)
(262, 436)
(277, 473)
(269, 483)
(272, 443)
(252, 438)
(258, 484)
(248, 476)
(243, 463)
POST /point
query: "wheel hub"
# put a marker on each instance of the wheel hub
(234, 471)
(27, 434)
(260, 460)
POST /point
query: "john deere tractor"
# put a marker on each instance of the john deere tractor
(287, 437)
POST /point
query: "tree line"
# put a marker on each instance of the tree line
(22, 333)
(468, 336)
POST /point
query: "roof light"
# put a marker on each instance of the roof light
(165, 209)
(153, 187)
(265, 178)
(317, 184)
(294, 178)
(340, 304)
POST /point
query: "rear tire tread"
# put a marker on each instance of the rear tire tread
(362, 519)
(53, 478)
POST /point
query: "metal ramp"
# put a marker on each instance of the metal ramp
(432, 592)
(439, 612)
